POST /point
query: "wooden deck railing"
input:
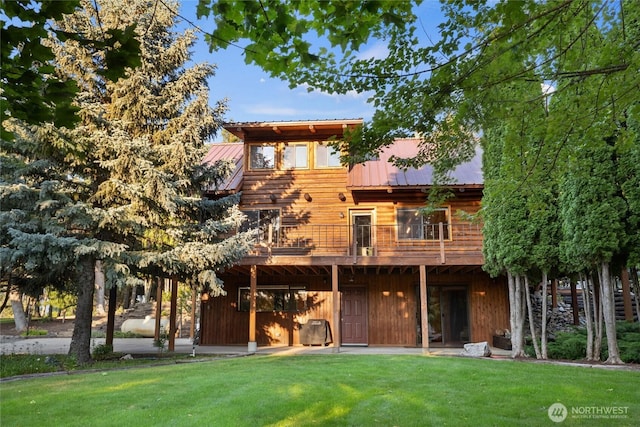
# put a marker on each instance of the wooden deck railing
(330, 239)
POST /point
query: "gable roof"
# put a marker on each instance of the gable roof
(382, 174)
(227, 151)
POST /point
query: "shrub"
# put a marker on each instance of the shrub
(573, 345)
(102, 352)
(34, 332)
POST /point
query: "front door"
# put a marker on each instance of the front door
(354, 316)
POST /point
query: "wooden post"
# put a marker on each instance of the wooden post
(111, 314)
(192, 328)
(442, 254)
(626, 294)
(158, 307)
(335, 332)
(172, 314)
(424, 310)
(574, 303)
(253, 344)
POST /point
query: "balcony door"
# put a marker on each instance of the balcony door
(362, 232)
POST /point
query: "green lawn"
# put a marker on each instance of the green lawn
(343, 390)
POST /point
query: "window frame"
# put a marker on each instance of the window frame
(295, 146)
(423, 232)
(328, 156)
(282, 298)
(250, 164)
(262, 229)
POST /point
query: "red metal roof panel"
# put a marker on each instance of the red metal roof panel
(227, 151)
(381, 173)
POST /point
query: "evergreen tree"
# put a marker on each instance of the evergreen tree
(129, 190)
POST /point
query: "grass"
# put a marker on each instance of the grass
(333, 390)
(27, 364)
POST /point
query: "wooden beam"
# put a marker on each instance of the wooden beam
(424, 309)
(253, 288)
(442, 252)
(335, 330)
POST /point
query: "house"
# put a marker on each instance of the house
(347, 249)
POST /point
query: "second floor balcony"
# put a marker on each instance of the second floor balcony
(443, 243)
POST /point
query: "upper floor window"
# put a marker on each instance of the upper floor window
(326, 156)
(296, 156)
(413, 224)
(261, 219)
(262, 156)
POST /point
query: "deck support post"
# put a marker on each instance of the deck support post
(336, 309)
(252, 347)
(424, 310)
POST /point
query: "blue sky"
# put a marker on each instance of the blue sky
(254, 96)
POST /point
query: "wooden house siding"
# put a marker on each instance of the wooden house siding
(392, 309)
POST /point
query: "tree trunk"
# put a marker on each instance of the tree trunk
(134, 295)
(148, 284)
(81, 340)
(516, 315)
(597, 319)
(609, 312)
(19, 316)
(586, 302)
(111, 315)
(532, 326)
(636, 290)
(99, 272)
(543, 326)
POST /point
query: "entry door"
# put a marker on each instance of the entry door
(448, 315)
(354, 316)
(362, 236)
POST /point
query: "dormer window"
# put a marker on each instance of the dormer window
(262, 156)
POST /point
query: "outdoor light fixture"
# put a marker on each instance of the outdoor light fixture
(341, 215)
(342, 197)
(272, 197)
(307, 197)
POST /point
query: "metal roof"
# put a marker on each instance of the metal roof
(380, 173)
(373, 174)
(227, 151)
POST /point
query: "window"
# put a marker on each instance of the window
(262, 156)
(274, 298)
(414, 225)
(296, 156)
(326, 156)
(260, 219)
